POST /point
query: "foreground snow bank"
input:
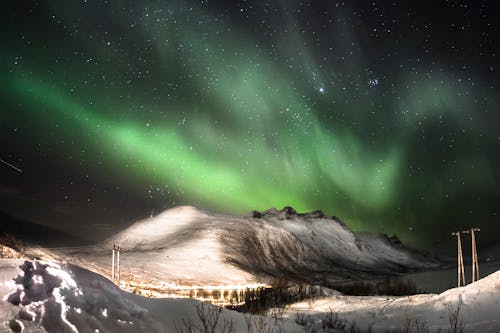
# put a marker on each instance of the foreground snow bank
(47, 297)
(477, 306)
(52, 297)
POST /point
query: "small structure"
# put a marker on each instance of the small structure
(221, 295)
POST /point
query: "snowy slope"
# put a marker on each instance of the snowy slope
(478, 304)
(193, 246)
(52, 297)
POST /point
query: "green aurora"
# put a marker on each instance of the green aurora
(233, 122)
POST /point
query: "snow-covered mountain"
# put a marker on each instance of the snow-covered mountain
(194, 246)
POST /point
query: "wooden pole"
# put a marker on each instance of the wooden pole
(113, 265)
(460, 260)
(459, 256)
(473, 255)
(462, 267)
(472, 258)
(118, 265)
(475, 261)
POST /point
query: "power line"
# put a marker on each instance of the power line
(82, 247)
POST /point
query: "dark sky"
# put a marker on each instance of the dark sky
(382, 113)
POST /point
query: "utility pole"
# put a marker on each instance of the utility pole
(460, 260)
(118, 265)
(475, 262)
(115, 263)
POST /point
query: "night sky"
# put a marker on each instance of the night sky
(382, 113)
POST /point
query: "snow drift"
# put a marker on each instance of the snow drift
(54, 297)
(475, 308)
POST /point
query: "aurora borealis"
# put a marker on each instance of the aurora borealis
(383, 114)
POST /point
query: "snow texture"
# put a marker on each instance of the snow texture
(263, 247)
(53, 297)
(477, 306)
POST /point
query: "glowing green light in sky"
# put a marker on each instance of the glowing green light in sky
(231, 120)
(222, 171)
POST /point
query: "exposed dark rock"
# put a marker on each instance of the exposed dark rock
(15, 298)
(289, 211)
(256, 214)
(15, 326)
(270, 211)
(339, 221)
(24, 315)
(394, 240)
(317, 214)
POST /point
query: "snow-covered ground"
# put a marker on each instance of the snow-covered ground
(436, 282)
(55, 297)
(196, 247)
(476, 305)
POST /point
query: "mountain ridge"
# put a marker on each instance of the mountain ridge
(187, 243)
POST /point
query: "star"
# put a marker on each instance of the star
(269, 111)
